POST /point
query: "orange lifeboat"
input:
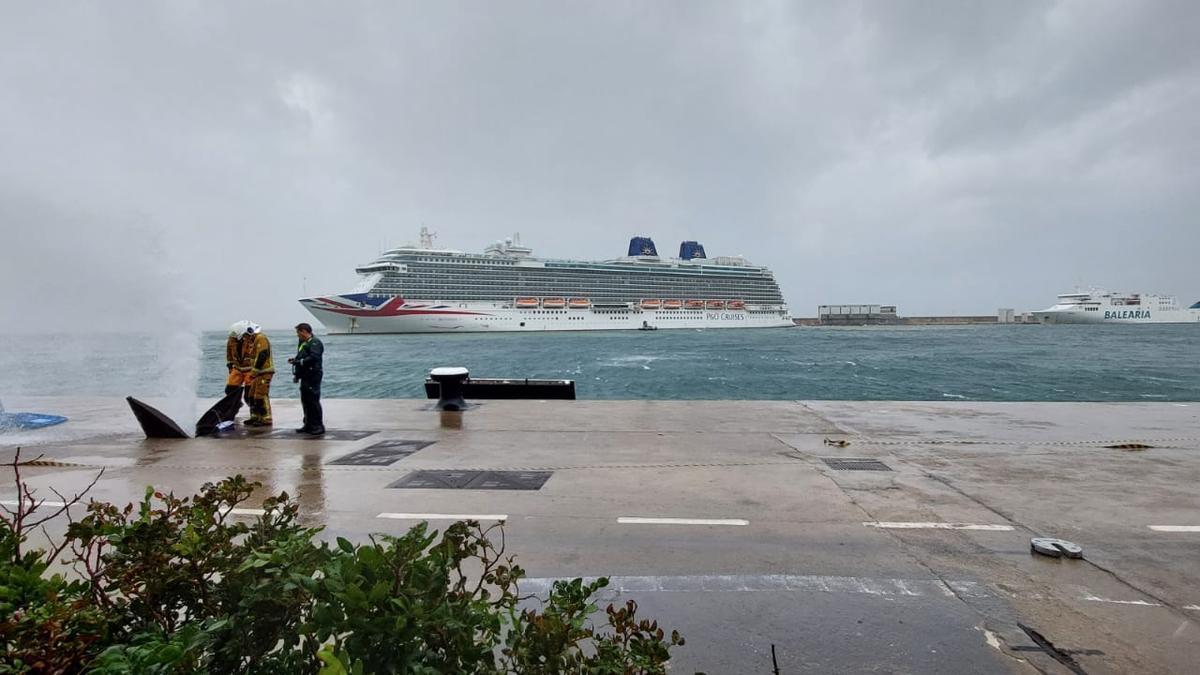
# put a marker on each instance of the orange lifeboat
(527, 303)
(579, 303)
(716, 304)
(736, 304)
(651, 304)
(553, 303)
(672, 304)
(694, 304)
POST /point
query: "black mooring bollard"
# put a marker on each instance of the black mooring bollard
(450, 381)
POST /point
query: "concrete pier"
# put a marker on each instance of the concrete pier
(735, 523)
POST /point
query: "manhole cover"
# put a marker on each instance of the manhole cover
(474, 480)
(382, 453)
(855, 464)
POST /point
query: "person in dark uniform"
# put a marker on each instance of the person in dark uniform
(307, 369)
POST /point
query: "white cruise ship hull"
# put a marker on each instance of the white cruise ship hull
(342, 315)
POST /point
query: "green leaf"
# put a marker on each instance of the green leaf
(331, 664)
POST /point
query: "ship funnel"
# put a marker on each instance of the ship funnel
(642, 246)
(691, 249)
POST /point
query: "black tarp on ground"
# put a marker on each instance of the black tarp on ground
(224, 411)
(154, 422)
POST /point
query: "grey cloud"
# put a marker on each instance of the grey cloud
(947, 157)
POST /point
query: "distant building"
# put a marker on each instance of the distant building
(856, 315)
(1005, 315)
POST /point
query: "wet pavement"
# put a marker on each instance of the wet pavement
(730, 522)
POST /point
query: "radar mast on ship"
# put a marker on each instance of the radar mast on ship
(426, 238)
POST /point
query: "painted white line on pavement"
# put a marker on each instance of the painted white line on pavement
(751, 583)
(632, 520)
(1174, 528)
(1141, 603)
(443, 516)
(890, 588)
(940, 526)
(13, 502)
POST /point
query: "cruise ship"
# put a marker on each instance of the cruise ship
(424, 289)
(1099, 306)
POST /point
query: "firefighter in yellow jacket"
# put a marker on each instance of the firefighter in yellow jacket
(238, 362)
(262, 369)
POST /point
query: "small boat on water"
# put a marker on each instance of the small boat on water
(579, 303)
(527, 303)
(646, 326)
(672, 304)
(553, 303)
(651, 304)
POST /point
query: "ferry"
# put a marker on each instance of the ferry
(420, 288)
(1100, 306)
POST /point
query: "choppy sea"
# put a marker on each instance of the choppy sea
(981, 363)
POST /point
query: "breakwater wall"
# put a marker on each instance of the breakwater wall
(986, 319)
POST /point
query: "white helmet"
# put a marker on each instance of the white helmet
(238, 328)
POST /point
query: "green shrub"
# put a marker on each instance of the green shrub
(177, 585)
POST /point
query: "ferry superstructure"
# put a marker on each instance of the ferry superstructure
(1100, 306)
(423, 289)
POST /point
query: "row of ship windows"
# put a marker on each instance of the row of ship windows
(548, 290)
(556, 291)
(509, 318)
(594, 293)
(585, 277)
(623, 269)
(577, 281)
(584, 272)
(661, 312)
(596, 300)
(581, 274)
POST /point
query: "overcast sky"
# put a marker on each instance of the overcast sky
(205, 161)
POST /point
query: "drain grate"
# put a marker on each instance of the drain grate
(474, 480)
(855, 464)
(383, 453)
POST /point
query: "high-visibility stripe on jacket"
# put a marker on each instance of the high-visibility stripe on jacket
(233, 351)
(263, 363)
(239, 352)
